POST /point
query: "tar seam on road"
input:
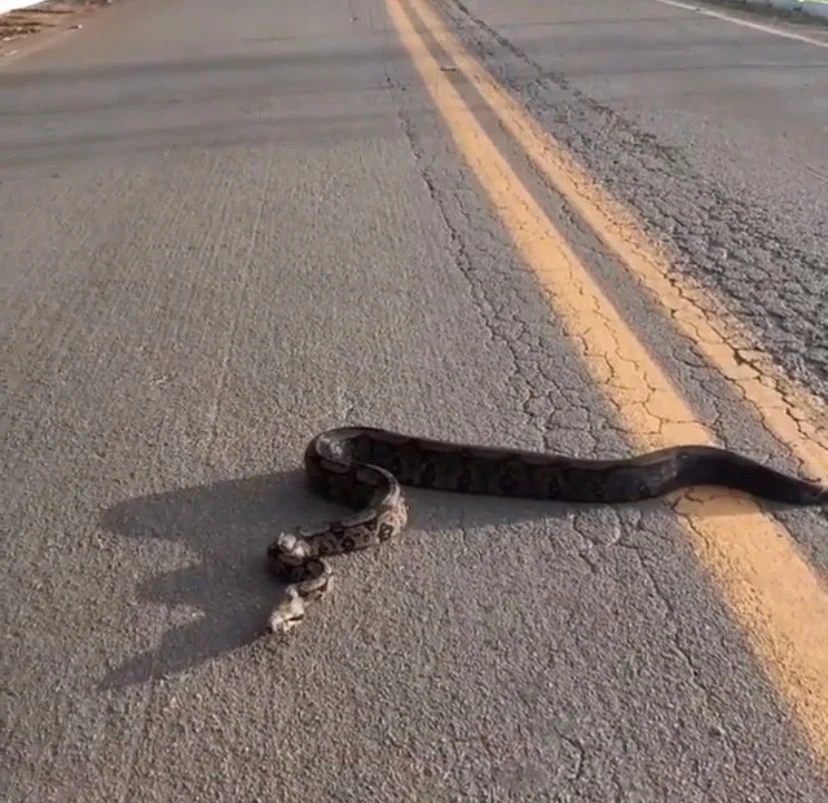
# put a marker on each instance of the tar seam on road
(777, 598)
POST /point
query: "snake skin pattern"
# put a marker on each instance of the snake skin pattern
(363, 468)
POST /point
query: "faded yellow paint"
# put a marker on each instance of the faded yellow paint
(775, 595)
(798, 419)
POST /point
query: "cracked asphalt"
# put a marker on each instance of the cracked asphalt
(227, 228)
(714, 133)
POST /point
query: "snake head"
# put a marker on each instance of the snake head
(286, 542)
(286, 553)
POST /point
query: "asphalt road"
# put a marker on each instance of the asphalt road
(714, 132)
(225, 227)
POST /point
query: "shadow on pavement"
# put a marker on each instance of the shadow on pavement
(229, 524)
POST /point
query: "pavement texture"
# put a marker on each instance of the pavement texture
(713, 132)
(226, 228)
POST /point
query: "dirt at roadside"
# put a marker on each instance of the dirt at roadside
(25, 27)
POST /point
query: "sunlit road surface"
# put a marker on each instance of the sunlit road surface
(595, 229)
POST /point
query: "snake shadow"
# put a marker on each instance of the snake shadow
(227, 525)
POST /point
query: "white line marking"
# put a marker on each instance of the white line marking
(757, 26)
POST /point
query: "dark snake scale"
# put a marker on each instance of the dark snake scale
(363, 469)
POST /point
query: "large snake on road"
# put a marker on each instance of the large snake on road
(363, 468)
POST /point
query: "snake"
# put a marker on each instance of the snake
(363, 468)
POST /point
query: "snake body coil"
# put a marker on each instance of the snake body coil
(363, 468)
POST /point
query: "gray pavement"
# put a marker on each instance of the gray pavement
(715, 133)
(226, 228)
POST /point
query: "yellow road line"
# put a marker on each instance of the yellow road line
(773, 592)
(798, 419)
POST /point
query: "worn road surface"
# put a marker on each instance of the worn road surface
(227, 226)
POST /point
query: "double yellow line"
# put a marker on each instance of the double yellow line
(777, 598)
